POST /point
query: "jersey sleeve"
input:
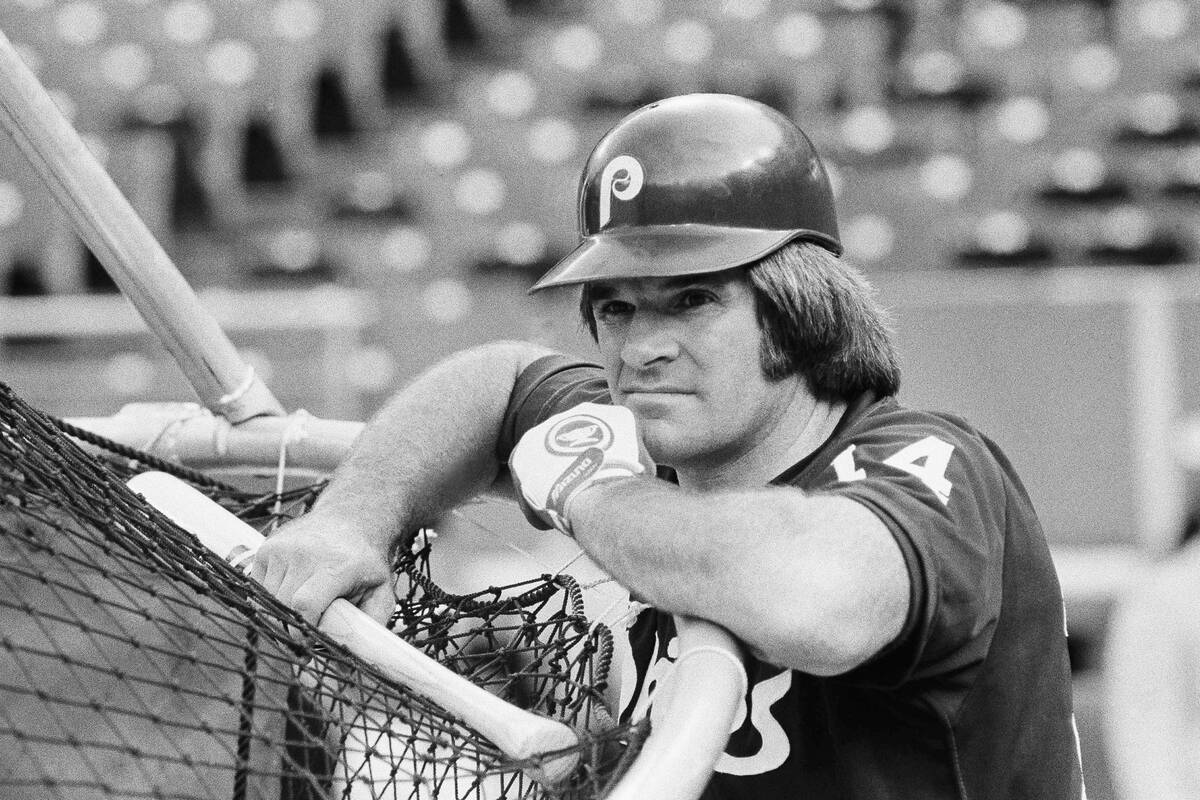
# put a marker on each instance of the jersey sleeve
(942, 494)
(547, 386)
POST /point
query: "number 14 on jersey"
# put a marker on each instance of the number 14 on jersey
(927, 459)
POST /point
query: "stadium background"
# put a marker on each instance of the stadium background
(360, 187)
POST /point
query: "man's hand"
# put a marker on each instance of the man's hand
(556, 460)
(319, 557)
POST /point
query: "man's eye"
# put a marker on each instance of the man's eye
(695, 299)
(611, 308)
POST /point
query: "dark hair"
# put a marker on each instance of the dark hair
(819, 318)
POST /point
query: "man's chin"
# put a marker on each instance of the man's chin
(666, 449)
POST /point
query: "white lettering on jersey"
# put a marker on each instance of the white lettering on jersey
(844, 466)
(927, 459)
(775, 745)
(622, 178)
(656, 685)
(936, 457)
(658, 672)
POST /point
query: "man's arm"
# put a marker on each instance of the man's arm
(815, 583)
(428, 449)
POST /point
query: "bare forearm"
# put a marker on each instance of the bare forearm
(814, 583)
(431, 446)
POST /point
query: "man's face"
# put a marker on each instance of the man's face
(683, 354)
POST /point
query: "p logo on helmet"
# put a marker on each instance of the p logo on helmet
(694, 184)
(622, 178)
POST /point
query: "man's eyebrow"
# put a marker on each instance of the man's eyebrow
(683, 281)
(600, 291)
(603, 290)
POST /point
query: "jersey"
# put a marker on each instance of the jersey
(971, 700)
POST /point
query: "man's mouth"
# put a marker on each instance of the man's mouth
(652, 390)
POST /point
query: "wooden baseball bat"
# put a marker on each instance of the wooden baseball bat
(518, 733)
(107, 223)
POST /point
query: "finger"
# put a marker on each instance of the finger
(616, 468)
(258, 568)
(274, 576)
(312, 598)
(293, 581)
(380, 602)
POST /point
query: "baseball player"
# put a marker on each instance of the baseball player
(739, 454)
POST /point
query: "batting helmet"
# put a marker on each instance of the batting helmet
(696, 183)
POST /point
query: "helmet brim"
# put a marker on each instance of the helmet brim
(663, 251)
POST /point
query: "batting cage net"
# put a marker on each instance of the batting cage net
(135, 663)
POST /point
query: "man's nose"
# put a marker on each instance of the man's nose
(647, 341)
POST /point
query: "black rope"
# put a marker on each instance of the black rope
(246, 715)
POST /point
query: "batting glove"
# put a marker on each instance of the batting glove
(554, 461)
